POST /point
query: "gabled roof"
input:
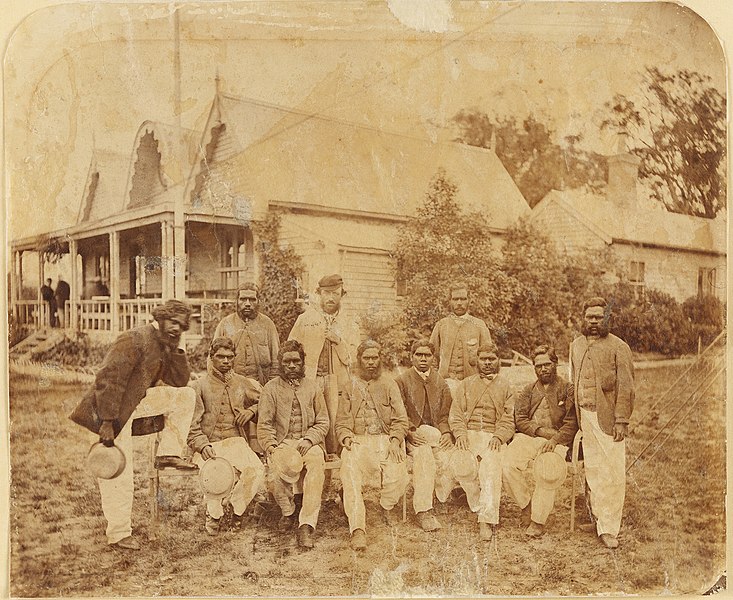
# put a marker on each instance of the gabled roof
(315, 161)
(170, 155)
(112, 175)
(644, 224)
(104, 190)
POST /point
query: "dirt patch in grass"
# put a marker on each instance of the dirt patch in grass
(672, 538)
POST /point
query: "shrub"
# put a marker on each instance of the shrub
(388, 328)
(280, 273)
(76, 350)
(440, 245)
(706, 310)
(654, 323)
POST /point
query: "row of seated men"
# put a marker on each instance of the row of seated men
(323, 394)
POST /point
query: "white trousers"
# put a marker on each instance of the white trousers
(516, 471)
(311, 479)
(251, 475)
(177, 405)
(367, 462)
(605, 472)
(430, 474)
(483, 492)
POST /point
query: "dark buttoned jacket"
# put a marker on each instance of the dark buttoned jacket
(427, 401)
(561, 406)
(135, 362)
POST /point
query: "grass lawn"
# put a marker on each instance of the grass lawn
(672, 537)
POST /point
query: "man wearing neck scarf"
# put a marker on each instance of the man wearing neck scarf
(602, 372)
(457, 337)
(329, 337)
(143, 374)
(371, 426)
(225, 403)
(482, 421)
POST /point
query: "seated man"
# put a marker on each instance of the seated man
(371, 426)
(225, 403)
(545, 418)
(292, 414)
(143, 374)
(427, 400)
(482, 421)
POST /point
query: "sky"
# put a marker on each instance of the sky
(85, 76)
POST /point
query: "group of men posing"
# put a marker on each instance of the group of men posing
(322, 392)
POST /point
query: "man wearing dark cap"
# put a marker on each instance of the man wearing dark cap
(254, 335)
(143, 374)
(330, 339)
(602, 372)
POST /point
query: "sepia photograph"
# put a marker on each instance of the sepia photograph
(365, 298)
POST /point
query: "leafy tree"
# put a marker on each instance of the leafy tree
(442, 244)
(527, 151)
(679, 130)
(281, 269)
(549, 288)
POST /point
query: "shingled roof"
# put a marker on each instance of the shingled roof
(310, 160)
(639, 223)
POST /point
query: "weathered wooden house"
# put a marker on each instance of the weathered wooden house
(174, 218)
(681, 255)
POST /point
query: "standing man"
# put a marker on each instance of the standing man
(458, 336)
(329, 338)
(143, 374)
(603, 376)
(544, 413)
(482, 421)
(371, 426)
(63, 293)
(225, 403)
(254, 335)
(428, 401)
(48, 297)
(291, 427)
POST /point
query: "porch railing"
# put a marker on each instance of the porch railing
(96, 315)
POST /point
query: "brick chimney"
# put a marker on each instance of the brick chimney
(623, 173)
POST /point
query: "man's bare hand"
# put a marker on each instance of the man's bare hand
(207, 452)
(395, 451)
(619, 432)
(416, 439)
(243, 418)
(548, 446)
(303, 446)
(462, 443)
(107, 434)
(348, 443)
(494, 444)
(446, 441)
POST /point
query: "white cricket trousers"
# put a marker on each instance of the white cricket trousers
(483, 492)
(605, 472)
(367, 463)
(430, 474)
(251, 475)
(518, 459)
(311, 479)
(177, 406)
